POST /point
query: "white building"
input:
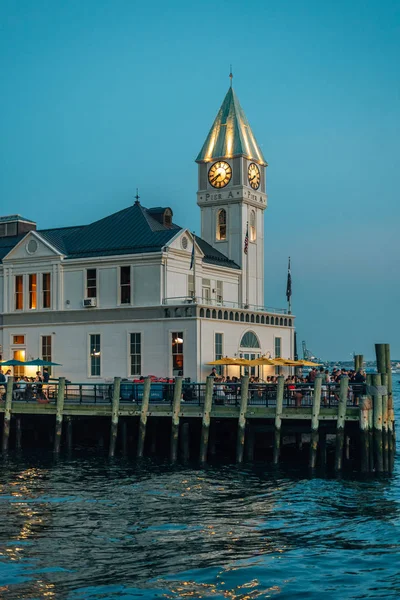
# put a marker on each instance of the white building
(118, 297)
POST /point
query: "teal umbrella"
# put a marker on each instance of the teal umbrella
(38, 362)
(13, 363)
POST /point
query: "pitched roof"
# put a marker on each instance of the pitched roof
(231, 134)
(132, 230)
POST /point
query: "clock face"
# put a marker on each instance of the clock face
(220, 174)
(254, 176)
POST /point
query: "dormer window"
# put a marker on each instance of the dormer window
(221, 224)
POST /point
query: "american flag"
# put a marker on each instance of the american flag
(289, 283)
(246, 239)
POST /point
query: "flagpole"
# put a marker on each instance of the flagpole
(247, 268)
(194, 266)
(289, 289)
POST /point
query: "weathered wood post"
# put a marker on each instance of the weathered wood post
(377, 403)
(365, 404)
(358, 361)
(241, 432)
(344, 388)
(316, 405)
(380, 351)
(176, 407)
(59, 414)
(18, 433)
(278, 418)
(114, 415)
(205, 429)
(7, 413)
(370, 422)
(385, 416)
(69, 433)
(391, 431)
(143, 416)
(185, 442)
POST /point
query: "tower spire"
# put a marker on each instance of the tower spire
(231, 74)
(137, 196)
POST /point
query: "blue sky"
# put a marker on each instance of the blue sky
(99, 98)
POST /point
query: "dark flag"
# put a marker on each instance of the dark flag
(289, 283)
(246, 240)
(192, 258)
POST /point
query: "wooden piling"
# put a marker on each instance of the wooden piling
(344, 387)
(322, 448)
(143, 416)
(185, 442)
(59, 414)
(364, 433)
(205, 429)
(380, 352)
(241, 432)
(370, 423)
(377, 403)
(390, 423)
(124, 436)
(358, 361)
(280, 390)
(18, 433)
(68, 421)
(114, 415)
(316, 405)
(176, 407)
(385, 415)
(7, 414)
(250, 442)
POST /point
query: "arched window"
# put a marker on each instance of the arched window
(267, 321)
(202, 312)
(225, 315)
(220, 314)
(281, 321)
(221, 224)
(252, 318)
(253, 231)
(263, 319)
(272, 321)
(290, 322)
(208, 313)
(285, 322)
(236, 316)
(214, 314)
(257, 318)
(247, 317)
(249, 340)
(231, 316)
(242, 316)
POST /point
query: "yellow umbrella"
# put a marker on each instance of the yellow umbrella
(308, 363)
(263, 361)
(241, 362)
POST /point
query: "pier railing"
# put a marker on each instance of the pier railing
(228, 394)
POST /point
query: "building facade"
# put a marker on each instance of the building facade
(135, 294)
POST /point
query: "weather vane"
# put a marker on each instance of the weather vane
(231, 75)
(137, 195)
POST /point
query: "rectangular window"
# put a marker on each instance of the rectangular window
(220, 293)
(91, 283)
(136, 353)
(218, 346)
(206, 290)
(19, 292)
(46, 290)
(278, 341)
(191, 286)
(46, 349)
(32, 291)
(125, 273)
(177, 353)
(18, 339)
(95, 354)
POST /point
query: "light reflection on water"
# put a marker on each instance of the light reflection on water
(88, 528)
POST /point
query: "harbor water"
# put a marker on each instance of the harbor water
(88, 527)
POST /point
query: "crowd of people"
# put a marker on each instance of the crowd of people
(25, 388)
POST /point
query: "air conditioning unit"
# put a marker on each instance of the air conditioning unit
(89, 302)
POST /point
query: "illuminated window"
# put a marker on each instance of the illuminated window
(19, 292)
(177, 352)
(46, 290)
(278, 347)
(94, 354)
(46, 349)
(218, 345)
(125, 273)
(136, 353)
(18, 339)
(249, 340)
(253, 231)
(32, 291)
(91, 283)
(221, 224)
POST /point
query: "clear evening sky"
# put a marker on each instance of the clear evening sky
(98, 98)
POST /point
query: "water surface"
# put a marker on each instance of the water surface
(91, 528)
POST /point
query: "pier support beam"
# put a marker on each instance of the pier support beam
(176, 407)
(344, 388)
(59, 414)
(185, 442)
(390, 424)
(143, 416)
(278, 418)
(205, 429)
(7, 414)
(18, 433)
(316, 405)
(365, 406)
(244, 396)
(358, 361)
(377, 403)
(114, 415)
(68, 421)
(385, 415)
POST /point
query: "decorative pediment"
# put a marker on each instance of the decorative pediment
(32, 247)
(184, 241)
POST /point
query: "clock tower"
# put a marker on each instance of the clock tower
(232, 196)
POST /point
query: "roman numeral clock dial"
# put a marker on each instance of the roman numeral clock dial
(220, 174)
(253, 175)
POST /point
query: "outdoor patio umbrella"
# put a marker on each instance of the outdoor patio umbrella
(263, 361)
(38, 362)
(240, 362)
(308, 363)
(13, 363)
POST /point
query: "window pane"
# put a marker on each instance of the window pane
(177, 352)
(91, 283)
(19, 292)
(218, 346)
(136, 354)
(32, 291)
(277, 347)
(18, 339)
(46, 290)
(95, 354)
(46, 349)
